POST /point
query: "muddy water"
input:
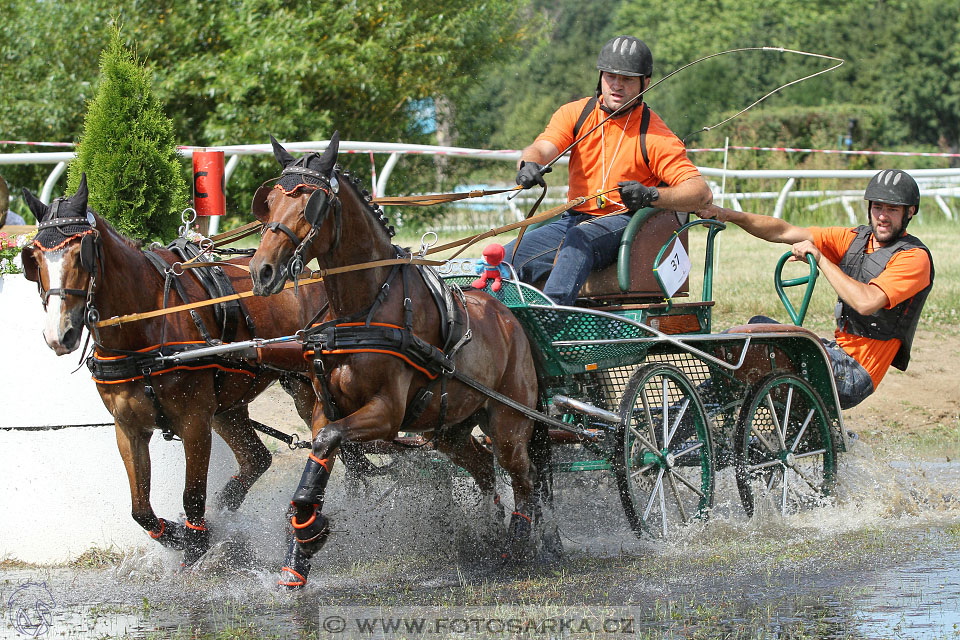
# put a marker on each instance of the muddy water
(884, 561)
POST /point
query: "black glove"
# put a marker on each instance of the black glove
(531, 173)
(635, 196)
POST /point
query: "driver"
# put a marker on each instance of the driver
(633, 154)
(881, 274)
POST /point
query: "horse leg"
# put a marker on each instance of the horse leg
(195, 432)
(511, 439)
(134, 446)
(463, 449)
(252, 455)
(310, 528)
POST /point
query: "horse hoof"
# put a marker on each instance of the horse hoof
(171, 534)
(292, 580)
(312, 535)
(196, 541)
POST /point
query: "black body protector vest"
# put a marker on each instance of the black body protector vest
(886, 324)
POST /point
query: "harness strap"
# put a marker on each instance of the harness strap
(513, 404)
(278, 227)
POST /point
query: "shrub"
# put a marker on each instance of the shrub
(128, 152)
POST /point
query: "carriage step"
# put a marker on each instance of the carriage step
(589, 409)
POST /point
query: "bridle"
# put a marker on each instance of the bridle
(319, 205)
(91, 258)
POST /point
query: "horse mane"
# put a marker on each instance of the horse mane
(367, 201)
(104, 225)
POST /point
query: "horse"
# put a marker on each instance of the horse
(383, 350)
(84, 268)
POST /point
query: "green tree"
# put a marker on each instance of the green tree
(128, 152)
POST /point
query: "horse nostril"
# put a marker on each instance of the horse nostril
(266, 273)
(69, 336)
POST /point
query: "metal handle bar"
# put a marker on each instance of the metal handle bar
(810, 280)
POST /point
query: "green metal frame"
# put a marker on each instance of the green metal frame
(810, 280)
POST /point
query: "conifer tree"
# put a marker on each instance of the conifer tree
(128, 152)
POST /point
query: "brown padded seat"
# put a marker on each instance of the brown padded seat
(652, 235)
(772, 328)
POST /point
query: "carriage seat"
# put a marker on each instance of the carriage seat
(631, 277)
(773, 328)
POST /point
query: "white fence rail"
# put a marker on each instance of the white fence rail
(938, 184)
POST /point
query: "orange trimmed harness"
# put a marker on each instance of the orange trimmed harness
(360, 334)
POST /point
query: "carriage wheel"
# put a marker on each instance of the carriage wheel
(785, 446)
(664, 454)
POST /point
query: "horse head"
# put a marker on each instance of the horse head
(63, 260)
(301, 209)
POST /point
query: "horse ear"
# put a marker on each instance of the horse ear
(37, 208)
(329, 158)
(80, 197)
(284, 158)
(31, 270)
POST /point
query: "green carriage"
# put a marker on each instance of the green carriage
(636, 385)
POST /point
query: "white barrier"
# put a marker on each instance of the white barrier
(935, 183)
(63, 491)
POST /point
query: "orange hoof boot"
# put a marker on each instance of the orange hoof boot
(312, 534)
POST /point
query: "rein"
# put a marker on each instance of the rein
(317, 275)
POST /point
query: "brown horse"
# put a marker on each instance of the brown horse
(82, 265)
(372, 386)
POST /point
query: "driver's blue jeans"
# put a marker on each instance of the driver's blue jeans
(853, 382)
(565, 251)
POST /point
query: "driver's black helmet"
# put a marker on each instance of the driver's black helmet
(892, 186)
(626, 56)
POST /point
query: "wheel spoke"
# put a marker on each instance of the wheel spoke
(803, 428)
(773, 476)
(693, 488)
(807, 454)
(763, 465)
(640, 471)
(676, 496)
(783, 498)
(663, 511)
(676, 421)
(776, 422)
(642, 439)
(693, 447)
(786, 417)
(807, 480)
(766, 443)
(665, 407)
(653, 494)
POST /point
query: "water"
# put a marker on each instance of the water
(884, 561)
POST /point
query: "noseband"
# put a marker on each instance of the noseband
(319, 205)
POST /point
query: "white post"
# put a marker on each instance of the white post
(723, 180)
(782, 198)
(47, 190)
(385, 174)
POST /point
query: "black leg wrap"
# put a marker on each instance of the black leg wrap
(170, 535)
(196, 542)
(312, 534)
(296, 568)
(232, 494)
(313, 482)
(520, 533)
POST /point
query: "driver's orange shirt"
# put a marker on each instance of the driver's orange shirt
(905, 275)
(619, 141)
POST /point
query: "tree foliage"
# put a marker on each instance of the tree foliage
(235, 72)
(128, 152)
